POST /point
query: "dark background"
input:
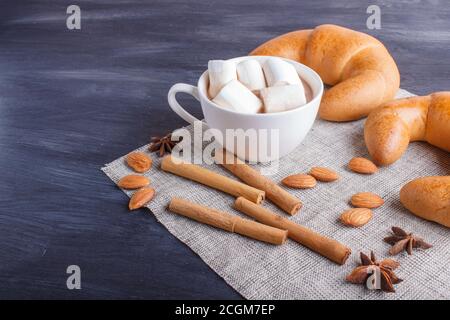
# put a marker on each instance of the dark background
(71, 101)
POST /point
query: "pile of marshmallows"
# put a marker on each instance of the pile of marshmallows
(248, 87)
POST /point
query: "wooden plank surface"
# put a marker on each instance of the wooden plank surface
(71, 101)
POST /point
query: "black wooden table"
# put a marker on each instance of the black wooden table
(72, 100)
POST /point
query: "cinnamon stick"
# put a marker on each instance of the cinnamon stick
(280, 197)
(329, 248)
(212, 179)
(228, 222)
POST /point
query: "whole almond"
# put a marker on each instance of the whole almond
(141, 197)
(300, 181)
(367, 200)
(139, 161)
(133, 181)
(362, 165)
(323, 174)
(356, 217)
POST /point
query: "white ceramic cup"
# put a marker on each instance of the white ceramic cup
(292, 125)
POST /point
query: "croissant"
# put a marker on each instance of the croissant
(389, 129)
(428, 198)
(360, 69)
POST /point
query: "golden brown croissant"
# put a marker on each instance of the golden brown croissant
(389, 129)
(428, 198)
(360, 69)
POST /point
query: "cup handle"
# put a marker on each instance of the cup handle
(176, 107)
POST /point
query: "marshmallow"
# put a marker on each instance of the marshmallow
(220, 73)
(239, 98)
(251, 75)
(283, 98)
(279, 72)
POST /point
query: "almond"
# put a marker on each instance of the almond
(133, 181)
(362, 165)
(356, 217)
(139, 161)
(141, 197)
(299, 181)
(367, 200)
(323, 174)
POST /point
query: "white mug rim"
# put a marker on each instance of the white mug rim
(315, 75)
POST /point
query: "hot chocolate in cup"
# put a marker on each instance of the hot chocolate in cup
(268, 136)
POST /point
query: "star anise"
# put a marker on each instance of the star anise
(401, 240)
(385, 277)
(162, 144)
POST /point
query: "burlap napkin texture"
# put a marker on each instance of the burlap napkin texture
(291, 271)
